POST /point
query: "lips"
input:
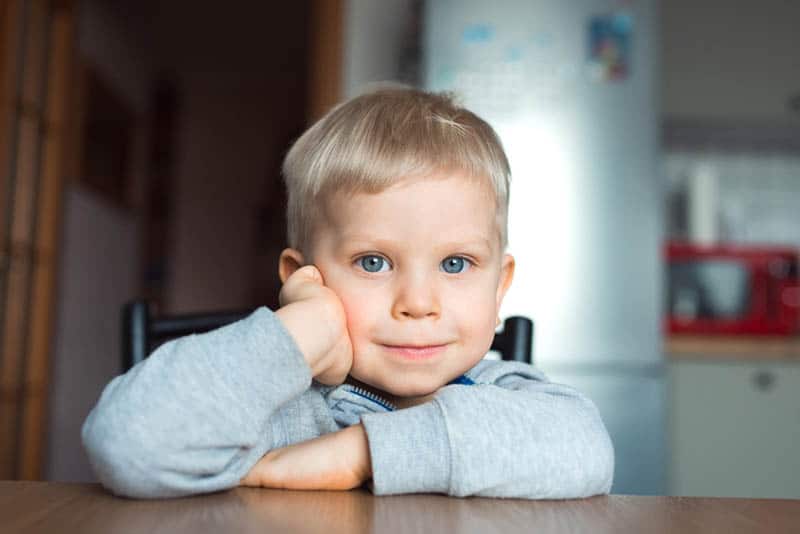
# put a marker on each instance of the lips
(416, 352)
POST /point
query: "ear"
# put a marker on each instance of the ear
(289, 262)
(506, 276)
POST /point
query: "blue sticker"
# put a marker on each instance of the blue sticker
(478, 33)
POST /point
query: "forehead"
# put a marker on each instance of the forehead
(444, 209)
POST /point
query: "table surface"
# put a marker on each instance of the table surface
(88, 508)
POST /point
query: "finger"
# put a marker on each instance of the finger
(310, 272)
(302, 284)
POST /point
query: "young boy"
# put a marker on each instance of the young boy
(372, 369)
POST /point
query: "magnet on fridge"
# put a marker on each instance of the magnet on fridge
(609, 42)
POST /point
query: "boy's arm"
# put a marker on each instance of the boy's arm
(198, 414)
(519, 436)
(195, 416)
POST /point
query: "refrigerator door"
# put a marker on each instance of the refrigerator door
(570, 88)
(631, 402)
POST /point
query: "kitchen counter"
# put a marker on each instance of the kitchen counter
(750, 348)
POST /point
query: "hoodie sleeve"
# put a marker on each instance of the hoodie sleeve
(516, 436)
(194, 417)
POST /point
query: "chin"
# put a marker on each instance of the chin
(400, 389)
(412, 390)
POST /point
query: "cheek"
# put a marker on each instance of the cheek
(358, 307)
(360, 313)
(476, 319)
(483, 329)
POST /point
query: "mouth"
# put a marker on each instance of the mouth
(416, 352)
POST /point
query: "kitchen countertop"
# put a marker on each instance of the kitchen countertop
(692, 347)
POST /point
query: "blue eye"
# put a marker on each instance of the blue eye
(455, 264)
(373, 264)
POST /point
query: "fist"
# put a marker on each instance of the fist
(315, 318)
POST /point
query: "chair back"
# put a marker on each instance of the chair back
(142, 332)
(515, 342)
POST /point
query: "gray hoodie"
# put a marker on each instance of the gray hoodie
(202, 410)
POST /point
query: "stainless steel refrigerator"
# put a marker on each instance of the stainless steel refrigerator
(571, 88)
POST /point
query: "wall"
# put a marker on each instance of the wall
(100, 255)
(753, 198)
(729, 75)
(222, 163)
(114, 41)
(730, 60)
(97, 274)
(376, 36)
(243, 96)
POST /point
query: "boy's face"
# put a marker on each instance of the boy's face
(421, 274)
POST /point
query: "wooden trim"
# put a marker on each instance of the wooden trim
(325, 56)
(43, 302)
(11, 41)
(34, 107)
(9, 50)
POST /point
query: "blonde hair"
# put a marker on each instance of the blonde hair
(380, 138)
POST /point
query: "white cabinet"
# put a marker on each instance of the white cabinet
(735, 428)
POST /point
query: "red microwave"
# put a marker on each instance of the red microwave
(727, 289)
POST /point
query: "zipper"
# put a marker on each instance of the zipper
(383, 403)
(372, 396)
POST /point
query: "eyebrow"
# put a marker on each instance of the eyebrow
(481, 242)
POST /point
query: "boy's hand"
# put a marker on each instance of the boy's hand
(336, 461)
(314, 316)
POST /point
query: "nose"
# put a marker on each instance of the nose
(416, 297)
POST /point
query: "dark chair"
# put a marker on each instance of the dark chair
(141, 332)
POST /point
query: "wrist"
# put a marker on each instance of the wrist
(360, 447)
(296, 322)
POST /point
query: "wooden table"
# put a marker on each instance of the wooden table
(87, 508)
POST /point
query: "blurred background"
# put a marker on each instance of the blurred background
(655, 212)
